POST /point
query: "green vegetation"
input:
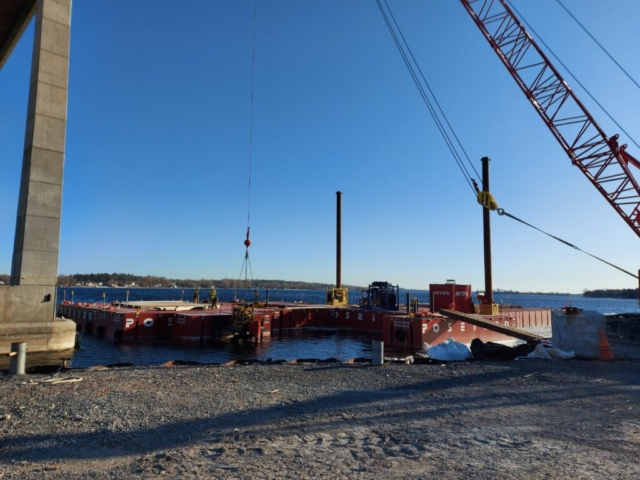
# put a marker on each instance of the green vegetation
(620, 293)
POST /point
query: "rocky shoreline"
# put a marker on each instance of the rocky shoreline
(522, 419)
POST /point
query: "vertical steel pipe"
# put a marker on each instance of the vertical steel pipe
(486, 221)
(18, 359)
(377, 357)
(338, 239)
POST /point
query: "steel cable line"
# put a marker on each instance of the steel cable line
(246, 263)
(447, 140)
(452, 148)
(502, 212)
(426, 100)
(429, 88)
(598, 43)
(253, 76)
(572, 75)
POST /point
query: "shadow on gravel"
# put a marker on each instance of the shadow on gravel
(411, 402)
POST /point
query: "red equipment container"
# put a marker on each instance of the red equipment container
(451, 296)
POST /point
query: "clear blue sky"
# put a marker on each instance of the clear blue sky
(157, 155)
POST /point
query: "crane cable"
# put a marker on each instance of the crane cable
(253, 77)
(484, 198)
(246, 264)
(429, 88)
(487, 201)
(571, 74)
(423, 94)
(598, 43)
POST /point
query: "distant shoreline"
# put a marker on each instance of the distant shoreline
(501, 293)
(124, 281)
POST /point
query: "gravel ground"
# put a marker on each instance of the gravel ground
(512, 420)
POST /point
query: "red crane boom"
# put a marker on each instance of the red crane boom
(604, 162)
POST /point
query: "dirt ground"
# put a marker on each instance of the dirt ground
(511, 420)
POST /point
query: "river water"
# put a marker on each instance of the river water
(309, 344)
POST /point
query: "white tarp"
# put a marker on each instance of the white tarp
(449, 351)
(549, 353)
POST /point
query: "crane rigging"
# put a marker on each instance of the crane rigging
(601, 158)
(446, 129)
(246, 263)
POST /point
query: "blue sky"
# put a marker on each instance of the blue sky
(157, 157)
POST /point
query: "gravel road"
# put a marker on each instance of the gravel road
(511, 420)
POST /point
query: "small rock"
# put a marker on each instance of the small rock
(6, 416)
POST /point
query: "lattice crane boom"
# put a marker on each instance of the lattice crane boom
(604, 162)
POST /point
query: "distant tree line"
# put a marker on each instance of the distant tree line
(152, 281)
(517, 292)
(610, 293)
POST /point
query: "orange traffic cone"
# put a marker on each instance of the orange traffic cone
(605, 348)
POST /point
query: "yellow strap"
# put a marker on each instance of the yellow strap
(487, 201)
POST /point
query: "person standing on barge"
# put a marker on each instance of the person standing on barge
(213, 297)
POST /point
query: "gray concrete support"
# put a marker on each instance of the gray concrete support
(18, 360)
(35, 251)
(27, 306)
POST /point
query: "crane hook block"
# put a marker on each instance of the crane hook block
(247, 242)
(487, 201)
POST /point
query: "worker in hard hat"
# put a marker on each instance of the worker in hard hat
(213, 297)
(196, 295)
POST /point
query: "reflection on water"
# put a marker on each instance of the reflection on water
(307, 344)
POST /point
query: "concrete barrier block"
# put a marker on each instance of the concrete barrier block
(53, 336)
(577, 332)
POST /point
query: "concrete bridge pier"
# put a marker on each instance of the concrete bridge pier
(27, 305)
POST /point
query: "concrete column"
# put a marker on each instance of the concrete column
(35, 251)
(27, 306)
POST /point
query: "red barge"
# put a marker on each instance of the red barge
(402, 327)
